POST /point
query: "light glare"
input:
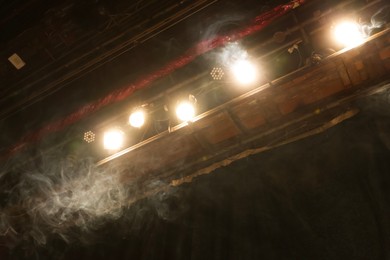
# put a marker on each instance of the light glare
(185, 111)
(113, 139)
(348, 34)
(137, 118)
(244, 72)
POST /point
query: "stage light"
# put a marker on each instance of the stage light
(244, 72)
(185, 111)
(137, 118)
(348, 34)
(217, 73)
(89, 137)
(113, 139)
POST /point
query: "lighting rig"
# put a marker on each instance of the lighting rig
(247, 102)
(246, 70)
(243, 72)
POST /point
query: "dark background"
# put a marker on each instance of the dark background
(325, 197)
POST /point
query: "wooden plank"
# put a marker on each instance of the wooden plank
(351, 69)
(217, 129)
(372, 61)
(250, 114)
(166, 153)
(343, 73)
(384, 55)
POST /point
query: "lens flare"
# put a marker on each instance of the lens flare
(244, 72)
(348, 34)
(185, 111)
(113, 139)
(137, 118)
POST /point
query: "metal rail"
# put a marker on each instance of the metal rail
(228, 104)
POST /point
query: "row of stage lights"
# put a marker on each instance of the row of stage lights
(113, 139)
(244, 72)
(349, 34)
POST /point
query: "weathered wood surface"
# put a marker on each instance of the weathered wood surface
(296, 101)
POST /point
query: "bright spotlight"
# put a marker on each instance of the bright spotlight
(113, 139)
(244, 72)
(137, 118)
(185, 111)
(348, 34)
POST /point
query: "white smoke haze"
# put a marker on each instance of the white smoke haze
(378, 20)
(230, 54)
(224, 25)
(166, 202)
(59, 194)
(221, 26)
(62, 195)
(69, 198)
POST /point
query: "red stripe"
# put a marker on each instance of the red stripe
(257, 24)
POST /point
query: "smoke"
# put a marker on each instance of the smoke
(70, 199)
(221, 25)
(57, 196)
(58, 193)
(378, 20)
(167, 203)
(231, 53)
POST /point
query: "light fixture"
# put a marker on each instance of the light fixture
(137, 118)
(185, 110)
(113, 139)
(348, 34)
(17, 61)
(89, 137)
(217, 73)
(244, 71)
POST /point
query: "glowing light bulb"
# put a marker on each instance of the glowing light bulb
(244, 72)
(113, 139)
(137, 118)
(185, 111)
(348, 34)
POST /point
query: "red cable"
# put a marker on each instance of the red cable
(260, 22)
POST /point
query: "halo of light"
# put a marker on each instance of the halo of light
(113, 139)
(244, 72)
(348, 34)
(137, 118)
(185, 111)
